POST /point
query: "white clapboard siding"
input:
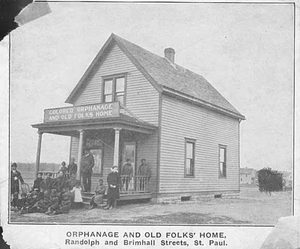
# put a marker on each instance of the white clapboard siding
(147, 149)
(74, 148)
(182, 120)
(142, 100)
(141, 96)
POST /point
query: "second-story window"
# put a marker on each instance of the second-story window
(114, 89)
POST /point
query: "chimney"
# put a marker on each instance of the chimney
(170, 54)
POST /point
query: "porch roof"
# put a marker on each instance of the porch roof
(70, 128)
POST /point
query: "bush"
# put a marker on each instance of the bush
(269, 180)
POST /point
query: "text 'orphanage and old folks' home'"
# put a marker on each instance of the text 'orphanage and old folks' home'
(133, 104)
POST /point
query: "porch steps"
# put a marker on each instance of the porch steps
(123, 197)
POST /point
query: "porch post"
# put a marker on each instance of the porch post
(81, 133)
(117, 146)
(38, 154)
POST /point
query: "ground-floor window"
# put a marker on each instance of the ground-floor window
(189, 157)
(222, 161)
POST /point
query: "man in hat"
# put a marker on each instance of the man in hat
(144, 173)
(46, 184)
(87, 170)
(37, 182)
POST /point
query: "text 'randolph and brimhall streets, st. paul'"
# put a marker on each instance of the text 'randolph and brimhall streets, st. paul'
(165, 239)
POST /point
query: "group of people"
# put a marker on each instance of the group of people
(49, 195)
(58, 195)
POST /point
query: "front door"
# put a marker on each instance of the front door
(98, 157)
(129, 152)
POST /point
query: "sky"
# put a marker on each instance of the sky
(244, 50)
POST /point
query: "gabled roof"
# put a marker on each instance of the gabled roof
(164, 76)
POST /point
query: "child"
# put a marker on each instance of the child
(77, 195)
(97, 199)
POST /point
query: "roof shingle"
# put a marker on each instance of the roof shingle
(164, 75)
(176, 77)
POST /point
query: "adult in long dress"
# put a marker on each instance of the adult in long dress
(113, 182)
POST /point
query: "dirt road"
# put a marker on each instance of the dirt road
(252, 207)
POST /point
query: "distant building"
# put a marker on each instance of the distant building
(247, 176)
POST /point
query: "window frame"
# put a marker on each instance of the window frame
(114, 78)
(192, 141)
(221, 174)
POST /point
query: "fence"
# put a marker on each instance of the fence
(135, 184)
(54, 174)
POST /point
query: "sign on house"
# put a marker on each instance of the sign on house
(94, 111)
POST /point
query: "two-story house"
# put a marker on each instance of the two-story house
(133, 104)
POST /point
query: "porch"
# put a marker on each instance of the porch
(136, 184)
(134, 188)
(111, 140)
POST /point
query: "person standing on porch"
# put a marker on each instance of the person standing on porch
(87, 170)
(127, 172)
(72, 167)
(144, 173)
(113, 182)
(63, 168)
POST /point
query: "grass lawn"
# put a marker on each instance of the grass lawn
(252, 207)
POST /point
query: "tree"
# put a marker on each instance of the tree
(269, 180)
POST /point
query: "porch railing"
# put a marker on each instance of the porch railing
(135, 184)
(54, 174)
